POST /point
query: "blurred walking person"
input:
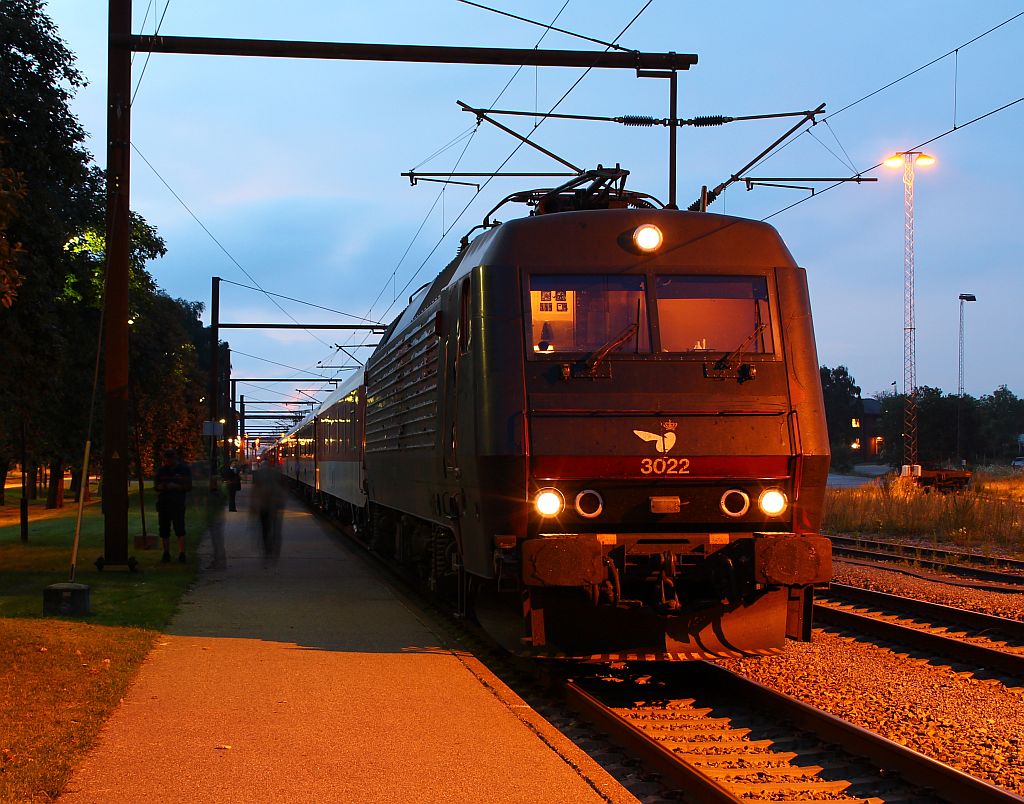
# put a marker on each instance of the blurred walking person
(172, 482)
(267, 500)
(215, 518)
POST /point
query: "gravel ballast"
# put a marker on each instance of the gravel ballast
(1000, 604)
(975, 724)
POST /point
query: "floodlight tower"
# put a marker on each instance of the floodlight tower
(908, 159)
(964, 297)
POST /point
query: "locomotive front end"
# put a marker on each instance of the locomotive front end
(677, 446)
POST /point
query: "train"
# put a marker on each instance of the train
(599, 430)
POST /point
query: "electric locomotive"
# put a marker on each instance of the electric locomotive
(608, 418)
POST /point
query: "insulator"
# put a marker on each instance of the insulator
(708, 120)
(637, 120)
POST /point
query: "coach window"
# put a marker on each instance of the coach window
(464, 319)
(583, 313)
(714, 314)
(350, 427)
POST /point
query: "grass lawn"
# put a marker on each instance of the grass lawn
(61, 677)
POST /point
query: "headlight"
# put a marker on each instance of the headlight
(735, 503)
(549, 502)
(647, 238)
(772, 502)
(589, 504)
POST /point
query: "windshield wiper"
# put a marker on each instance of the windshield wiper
(724, 362)
(595, 359)
(592, 362)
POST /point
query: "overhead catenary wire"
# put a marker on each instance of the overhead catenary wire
(844, 162)
(220, 245)
(514, 151)
(447, 230)
(926, 66)
(314, 376)
(269, 390)
(439, 196)
(849, 162)
(156, 32)
(917, 147)
(450, 144)
(782, 145)
(238, 264)
(548, 26)
(954, 52)
(142, 27)
(297, 301)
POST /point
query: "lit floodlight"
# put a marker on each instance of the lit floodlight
(549, 502)
(647, 238)
(772, 502)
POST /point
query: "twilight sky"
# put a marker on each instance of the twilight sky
(293, 165)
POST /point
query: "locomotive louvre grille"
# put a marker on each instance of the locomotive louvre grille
(401, 391)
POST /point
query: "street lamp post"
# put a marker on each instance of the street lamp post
(908, 159)
(964, 297)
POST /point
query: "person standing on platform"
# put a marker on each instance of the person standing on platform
(266, 503)
(173, 481)
(232, 483)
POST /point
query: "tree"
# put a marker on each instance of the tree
(936, 427)
(842, 406)
(989, 427)
(52, 254)
(46, 191)
(81, 301)
(165, 383)
(12, 190)
(1001, 422)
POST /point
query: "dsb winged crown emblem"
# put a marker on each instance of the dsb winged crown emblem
(664, 442)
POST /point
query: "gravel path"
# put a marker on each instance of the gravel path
(974, 724)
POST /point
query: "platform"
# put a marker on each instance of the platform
(311, 680)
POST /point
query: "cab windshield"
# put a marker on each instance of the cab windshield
(582, 313)
(713, 314)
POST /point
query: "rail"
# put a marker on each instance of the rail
(944, 782)
(937, 644)
(846, 547)
(1014, 629)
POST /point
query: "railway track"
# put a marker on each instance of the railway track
(742, 748)
(998, 645)
(719, 737)
(1010, 571)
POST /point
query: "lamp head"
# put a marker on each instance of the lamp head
(919, 158)
(968, 297)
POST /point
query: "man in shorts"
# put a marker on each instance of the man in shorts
(173, 481)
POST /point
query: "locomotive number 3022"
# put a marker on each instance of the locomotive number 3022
(664, 466)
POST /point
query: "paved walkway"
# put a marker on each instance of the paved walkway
(864, 474)
(311, 681)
